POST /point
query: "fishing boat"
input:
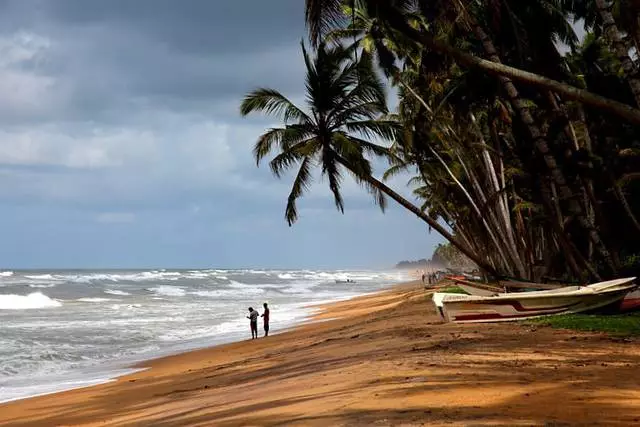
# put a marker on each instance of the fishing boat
(478, 289)
(525, 305)
(631, 301)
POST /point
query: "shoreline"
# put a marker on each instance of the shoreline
(110, 371)
(380, 358)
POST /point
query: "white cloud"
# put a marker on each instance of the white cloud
(25, 89)
(165, 138)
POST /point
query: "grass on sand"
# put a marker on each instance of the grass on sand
(617, 324)
(453, 290)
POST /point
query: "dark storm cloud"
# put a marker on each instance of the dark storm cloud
(119, 126)
(111, 57)
(200, 26)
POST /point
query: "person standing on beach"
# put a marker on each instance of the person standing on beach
(265, 316)
(253, 322)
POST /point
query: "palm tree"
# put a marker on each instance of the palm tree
(325, 15)
(616, 39)
(614, 19)
(346, 106)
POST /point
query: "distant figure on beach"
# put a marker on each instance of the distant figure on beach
(265, 315)
(253, 322)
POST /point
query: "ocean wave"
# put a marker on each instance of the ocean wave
(169, 291)
(24, 302)
(129, 306)
(227, 293)
(197, 275)
(94, 299)
(47, 285)
(42, 277)
(245, 288)
(6, 273)
(257, 271)
(239, 285)
(232, 326)
(214, 294)
(116, 292)
(128, 277)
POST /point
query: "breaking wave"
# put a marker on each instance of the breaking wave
(94, 299)
(25, 302)
(116, 292)
(168, 291)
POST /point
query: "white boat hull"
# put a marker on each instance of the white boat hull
(631, 301)
(525, 305)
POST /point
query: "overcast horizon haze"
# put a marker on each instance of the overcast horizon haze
(122, 146)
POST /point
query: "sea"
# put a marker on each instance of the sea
(75, 328)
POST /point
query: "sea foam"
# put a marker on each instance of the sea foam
(169, 291)
(116, 292)
(24, 302)
(93, 299)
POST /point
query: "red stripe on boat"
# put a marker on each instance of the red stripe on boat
(488, 316)
(518, 306)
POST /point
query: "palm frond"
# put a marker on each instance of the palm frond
(301, 185)
(283, 137)
(331, 171)
(321, 16)
(272, 102)
(385, 129)
(371, 148)
(287, 158)
(394, 171)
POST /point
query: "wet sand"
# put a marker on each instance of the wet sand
(384, 359)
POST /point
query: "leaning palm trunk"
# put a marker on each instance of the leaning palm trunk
(616, 39)
(473, 204)
(623, 201)
(543, 148)
(420, 214)
(506, 228)
(502, 203)
(497, 68)
(494, 217)
(318, 10)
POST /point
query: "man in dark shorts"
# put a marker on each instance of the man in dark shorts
(265, 315)
(253, 322)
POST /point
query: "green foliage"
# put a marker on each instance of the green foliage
(346, 104)
(534, 179)
(448, 256)
(453, 290)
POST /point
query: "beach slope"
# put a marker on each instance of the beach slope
(383, 359)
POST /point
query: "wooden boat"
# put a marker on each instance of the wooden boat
(479, 289)
(524, 305)
(516, 284)
(631, 301)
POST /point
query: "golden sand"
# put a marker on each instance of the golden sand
(383, 359)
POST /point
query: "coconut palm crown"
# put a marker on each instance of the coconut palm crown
(345, 111)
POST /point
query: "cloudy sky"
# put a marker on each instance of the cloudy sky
(121, 144)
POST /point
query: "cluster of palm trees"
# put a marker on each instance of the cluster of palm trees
(523, 141)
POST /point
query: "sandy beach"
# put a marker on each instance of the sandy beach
(382, 359)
